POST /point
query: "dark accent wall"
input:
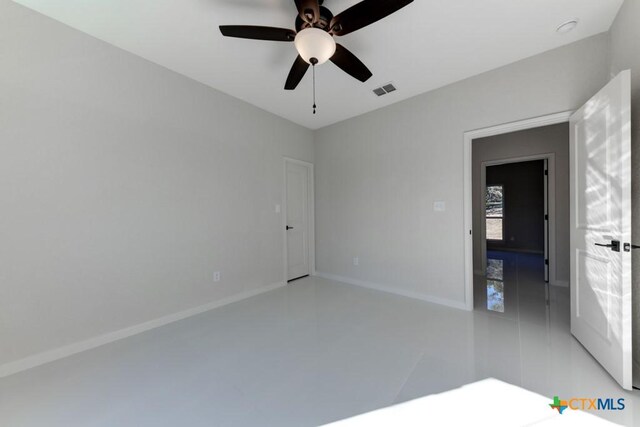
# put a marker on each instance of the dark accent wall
(523, 205)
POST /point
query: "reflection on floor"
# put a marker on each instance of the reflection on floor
(514, 288)
(314, 352)
(495, 285)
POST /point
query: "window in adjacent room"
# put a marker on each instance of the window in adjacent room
(495, 212)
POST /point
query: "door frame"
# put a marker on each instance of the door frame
(469, 136)
(310, 221)
(550, 203)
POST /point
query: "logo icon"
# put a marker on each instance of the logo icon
(587, 404)
(559, 405)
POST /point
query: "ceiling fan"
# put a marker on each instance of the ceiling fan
(315, 29)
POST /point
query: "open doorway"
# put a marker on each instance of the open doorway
(599, 226)
(514, 230)
(517, 209)
(520, 212)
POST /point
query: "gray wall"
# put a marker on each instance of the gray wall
(523, 217)
(378, 175)
(124, 187)
(625, 54)
(548, 139)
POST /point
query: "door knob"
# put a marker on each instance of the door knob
(629, 246)
(289, 228)
(614, 245)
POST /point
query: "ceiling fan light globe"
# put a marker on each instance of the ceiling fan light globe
(315, 43)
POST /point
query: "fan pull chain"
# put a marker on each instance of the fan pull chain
(314, 88)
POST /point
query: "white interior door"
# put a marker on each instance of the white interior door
(297, 218)
(600, 165)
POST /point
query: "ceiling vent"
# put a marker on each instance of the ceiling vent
(384, 89)
(379, 91)
(389, 87)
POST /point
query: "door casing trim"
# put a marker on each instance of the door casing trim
(469, 136)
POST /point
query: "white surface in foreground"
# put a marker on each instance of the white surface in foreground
(487, 402)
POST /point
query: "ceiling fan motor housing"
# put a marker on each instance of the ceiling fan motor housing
(323, 22)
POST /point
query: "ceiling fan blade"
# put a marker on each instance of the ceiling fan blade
(258, 33)
(364, 13)
(350, 64)
(309, 10)
(298, 70)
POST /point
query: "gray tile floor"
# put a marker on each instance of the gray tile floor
(314, 352)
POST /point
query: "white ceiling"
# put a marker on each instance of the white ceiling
(426, 45)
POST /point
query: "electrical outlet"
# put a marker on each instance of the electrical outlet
(216, 276)
(356, 261)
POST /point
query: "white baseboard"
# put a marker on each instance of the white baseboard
(391, 290)
(68, 350)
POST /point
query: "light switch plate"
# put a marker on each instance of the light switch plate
(439, 206)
